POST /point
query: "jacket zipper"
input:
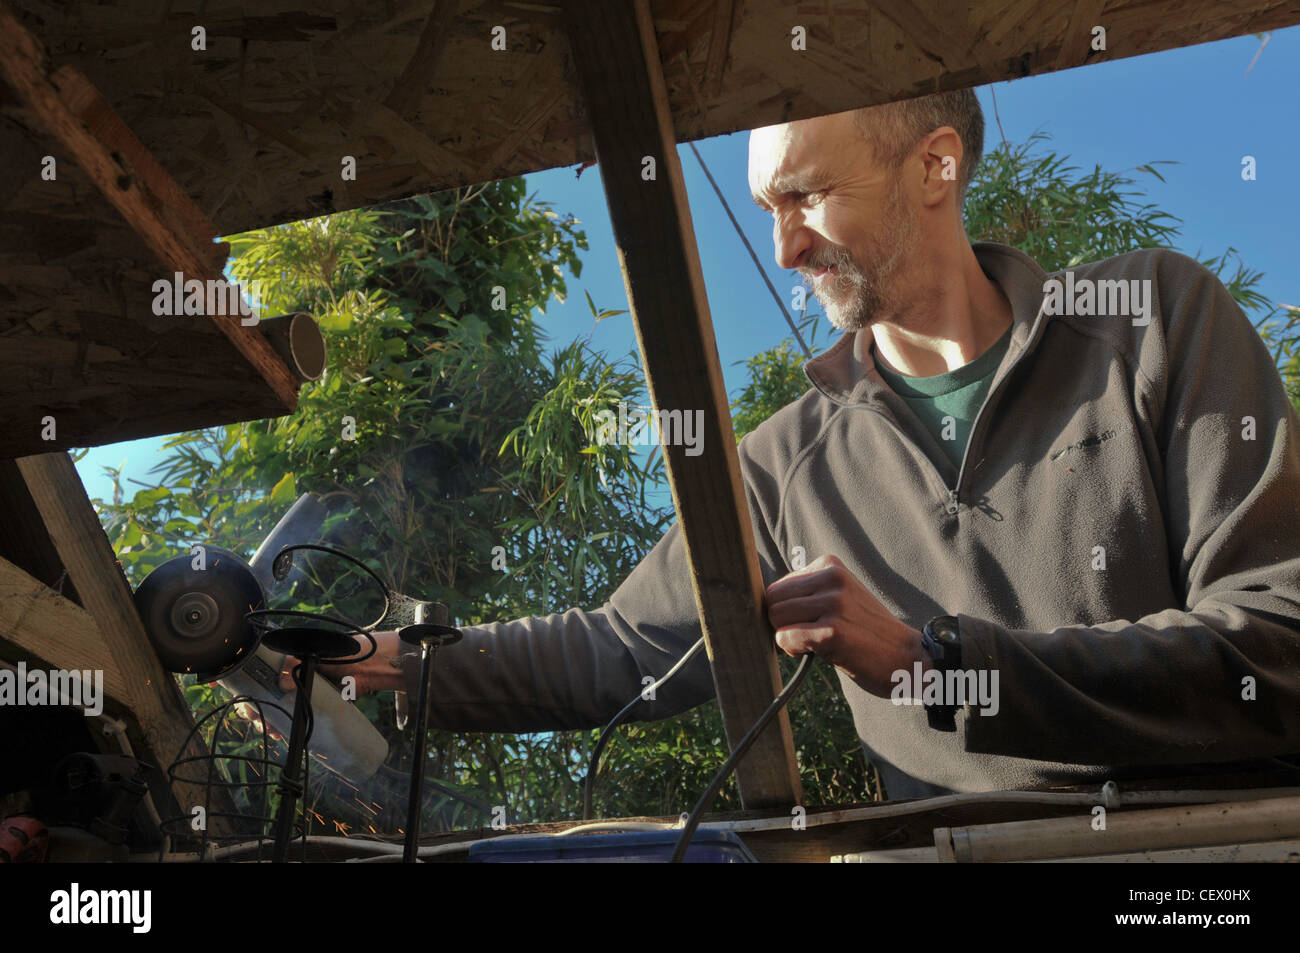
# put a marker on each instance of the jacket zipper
(954, 493)
(976, 430)
(951, 506)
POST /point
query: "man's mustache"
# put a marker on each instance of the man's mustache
(842, 262)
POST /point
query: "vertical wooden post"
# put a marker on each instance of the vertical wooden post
(617, 60)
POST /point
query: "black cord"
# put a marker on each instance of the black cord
(593, 765)
(683, 842)
(750, 248)
(281, 571)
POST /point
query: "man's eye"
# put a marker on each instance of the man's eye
(813, 198)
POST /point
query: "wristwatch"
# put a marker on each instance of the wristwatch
(941, 639)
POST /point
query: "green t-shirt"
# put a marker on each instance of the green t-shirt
(958, 394)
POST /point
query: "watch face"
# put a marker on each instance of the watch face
(944, 630)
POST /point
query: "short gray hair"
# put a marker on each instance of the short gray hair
(892, 130)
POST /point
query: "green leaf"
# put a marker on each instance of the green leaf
(284, 492)
(130, 536)
(150, 497)
(454, 296)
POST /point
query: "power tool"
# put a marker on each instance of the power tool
(194, 610)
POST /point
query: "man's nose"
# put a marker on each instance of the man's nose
(792, 242)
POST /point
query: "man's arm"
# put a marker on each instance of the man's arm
(577, 669)
(1215, 680)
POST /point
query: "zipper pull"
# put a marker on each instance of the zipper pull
(952, 502)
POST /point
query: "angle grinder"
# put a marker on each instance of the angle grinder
(194, 611)
(193, 608)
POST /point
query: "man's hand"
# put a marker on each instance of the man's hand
(375, 674)
(824, 609)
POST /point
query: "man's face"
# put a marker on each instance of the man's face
(841, 221)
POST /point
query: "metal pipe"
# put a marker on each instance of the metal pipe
(297, 339)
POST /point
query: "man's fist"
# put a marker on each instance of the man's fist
(825, 609)
(379, 673)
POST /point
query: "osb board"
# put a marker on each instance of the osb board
(255, 128)
(79, 341)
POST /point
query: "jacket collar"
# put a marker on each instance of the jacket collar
(846, 373)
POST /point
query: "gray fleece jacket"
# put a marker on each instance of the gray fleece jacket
(1121, 546)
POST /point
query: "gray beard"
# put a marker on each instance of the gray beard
(854, 296)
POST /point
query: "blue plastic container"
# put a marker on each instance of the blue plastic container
(634, 847)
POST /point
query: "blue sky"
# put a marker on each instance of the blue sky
(1196, 106)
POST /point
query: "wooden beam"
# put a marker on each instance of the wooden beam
(617, 61)
(24, 540)
(149, 690)
(140, 192)
(38, 620)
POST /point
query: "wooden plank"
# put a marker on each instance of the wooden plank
(24, 541)
(622, 80)
(904, 824)
(127, 186)
(149, 690)
(39, 620)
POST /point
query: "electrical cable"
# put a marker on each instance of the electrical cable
(745, 743)
(280, 569)
(593, 764)
(750, 248)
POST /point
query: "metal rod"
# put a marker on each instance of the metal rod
(290, 783)
(415, 798)
(416, 802)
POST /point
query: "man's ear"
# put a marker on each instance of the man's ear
(941, 154)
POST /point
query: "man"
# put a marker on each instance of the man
(1083, 491)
